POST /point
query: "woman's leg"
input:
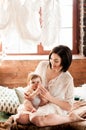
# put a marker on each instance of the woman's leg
(54, 119)
(23, 119)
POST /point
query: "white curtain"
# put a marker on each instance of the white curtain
(21, 17)
(24, 16)
(51, 22)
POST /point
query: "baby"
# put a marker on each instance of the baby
(33, 93)
(31, 103)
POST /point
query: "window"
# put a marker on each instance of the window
(66, 23)
(14, 36)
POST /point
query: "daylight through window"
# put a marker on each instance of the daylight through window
(25, 24)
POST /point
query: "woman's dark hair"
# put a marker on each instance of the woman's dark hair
(65, 54)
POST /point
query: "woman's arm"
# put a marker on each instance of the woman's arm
(61, 103)
(43, 101)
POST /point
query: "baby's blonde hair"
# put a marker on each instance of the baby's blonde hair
(32, 76)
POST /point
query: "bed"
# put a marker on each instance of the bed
(13, 79)
(10, 99)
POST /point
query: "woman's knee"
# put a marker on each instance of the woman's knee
(38, 121)
(23, 119)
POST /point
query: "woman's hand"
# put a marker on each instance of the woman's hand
(45, 94)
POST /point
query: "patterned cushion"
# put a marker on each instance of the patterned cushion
(9, 101)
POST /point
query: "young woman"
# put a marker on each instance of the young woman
(57, 90)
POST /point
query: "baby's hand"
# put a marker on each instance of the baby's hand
(28, 95)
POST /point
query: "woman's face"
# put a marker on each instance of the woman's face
(55, 62)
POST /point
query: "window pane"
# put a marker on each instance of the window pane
(66, 2)
(66, 37)
(66, 16)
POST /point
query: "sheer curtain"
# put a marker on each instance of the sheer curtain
(20, 22)
(51, 22)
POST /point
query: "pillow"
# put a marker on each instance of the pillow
(9, 101)
(20, 93)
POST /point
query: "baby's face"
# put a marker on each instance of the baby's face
(35, 82)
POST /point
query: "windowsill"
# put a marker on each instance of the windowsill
(33, 57)
(78, 57)
(24, 57)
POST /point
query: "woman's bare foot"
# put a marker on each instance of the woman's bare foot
(9, 121)
(7, 124)
(75, 117)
